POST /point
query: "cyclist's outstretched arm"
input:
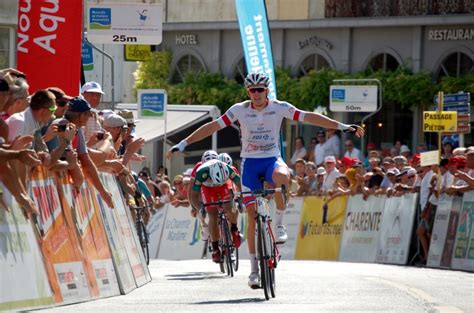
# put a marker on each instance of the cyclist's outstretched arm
(199, 134)
(326, 122)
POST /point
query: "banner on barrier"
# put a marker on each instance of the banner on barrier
(89, 227)
(181, 238)
(361, 229)
(395, 233)
(451, 232)
(320, 230)
(22, 271)
(463, 254)
(155, 230)
(440, 230)
(59, 245)
(127, 231)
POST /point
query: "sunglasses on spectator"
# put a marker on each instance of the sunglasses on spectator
(52, 109)
(258, 89)
(131, 125)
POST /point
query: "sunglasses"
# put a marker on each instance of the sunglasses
(131, 125)
(258, 89)
(52, 109)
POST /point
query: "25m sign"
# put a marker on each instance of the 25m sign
(118, 23)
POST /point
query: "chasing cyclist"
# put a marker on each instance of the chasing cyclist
(213, 182)
(260, 121)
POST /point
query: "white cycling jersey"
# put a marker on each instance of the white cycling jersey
(260, 131)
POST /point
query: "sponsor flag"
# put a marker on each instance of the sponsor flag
(254, 30)
(49, 43)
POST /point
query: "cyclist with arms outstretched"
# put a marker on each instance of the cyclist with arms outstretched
(214, 180)
(260, 121)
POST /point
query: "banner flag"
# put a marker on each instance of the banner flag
(49, 41)
(463, 252)
(255, 33)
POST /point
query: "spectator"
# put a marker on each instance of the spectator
(400, 162)
(300, 151)
(448, 147)
(405, 151)
(162, 174)
(420, 148)
(167, 194)
(92, 93)
(78, 113)
(152, 186)
(62, 100)
(374, 162)
(346, 163)
(300, 171)
(18, 99)
(392, 180)
(352, 152)
(320, 148)
(309, 185)
(332, 173)
(309, 157)
(181, 194)
(333, 144)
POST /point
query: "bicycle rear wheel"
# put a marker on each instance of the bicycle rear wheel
(271, 267)
(236, 259)
(262, 255)
(227, 249)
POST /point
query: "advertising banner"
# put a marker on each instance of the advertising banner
(180, 240)
(119, 23)
(121, 213)
(451, 232)
(255, 34)
(463, 254)
(152, 103)
(320, 231)
(155, 230)
(89, 227)
(60, 248)
(361, 229)
(440, 230)
(49, 40)
(395, 233)
(353, 98)
(20, 261)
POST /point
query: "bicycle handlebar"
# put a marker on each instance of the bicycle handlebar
(220, 202)
(260, 192)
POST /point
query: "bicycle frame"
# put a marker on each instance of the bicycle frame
(263, 213)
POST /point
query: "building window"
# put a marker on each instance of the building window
(187, 64)
(313, 62)
(383, 62)
(455, 65)
(4, 47)
(240, 71)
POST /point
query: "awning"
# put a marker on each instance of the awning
(178, 117)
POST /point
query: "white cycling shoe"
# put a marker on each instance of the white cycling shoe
(204, 233)
(281, 235)
(254, 280)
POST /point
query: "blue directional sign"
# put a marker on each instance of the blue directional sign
(459, 102)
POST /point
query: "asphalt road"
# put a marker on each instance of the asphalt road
(302, 286)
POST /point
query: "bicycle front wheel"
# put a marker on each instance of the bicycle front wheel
(262, 255)
(227, 249)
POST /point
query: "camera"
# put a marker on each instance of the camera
(100, 136)
(62, 128)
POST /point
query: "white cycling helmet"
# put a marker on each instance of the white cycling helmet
(219, 172)
(224, 157)
(256, 79)
(209, 155)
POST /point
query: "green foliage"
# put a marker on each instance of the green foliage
(455, 85)
(154, 73)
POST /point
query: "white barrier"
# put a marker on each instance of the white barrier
(361, 229)
(155, 230)
(463, 254)
(397, 225)
(439, 232)
(24, 283)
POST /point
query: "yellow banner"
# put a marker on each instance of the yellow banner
(445, 121)
(137, 52)
(320, 230)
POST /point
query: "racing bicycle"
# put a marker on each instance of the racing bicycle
(267, 250)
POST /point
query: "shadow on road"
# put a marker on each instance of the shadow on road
(234, 301)
(196, 276)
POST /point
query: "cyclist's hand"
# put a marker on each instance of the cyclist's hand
(355, 129)
(179, 147)
(194, 212)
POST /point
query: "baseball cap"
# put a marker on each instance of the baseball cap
(321, 171)
(105, 113)
(79, 104)
(60, 95)
(330, 159)
(388, 160)
(404, 148)
(128, 116)
(114, 120)
(347, 161)
(393, 171)
(371, 146)
(92, 87)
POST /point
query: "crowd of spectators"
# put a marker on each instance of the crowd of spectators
(68, 135)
